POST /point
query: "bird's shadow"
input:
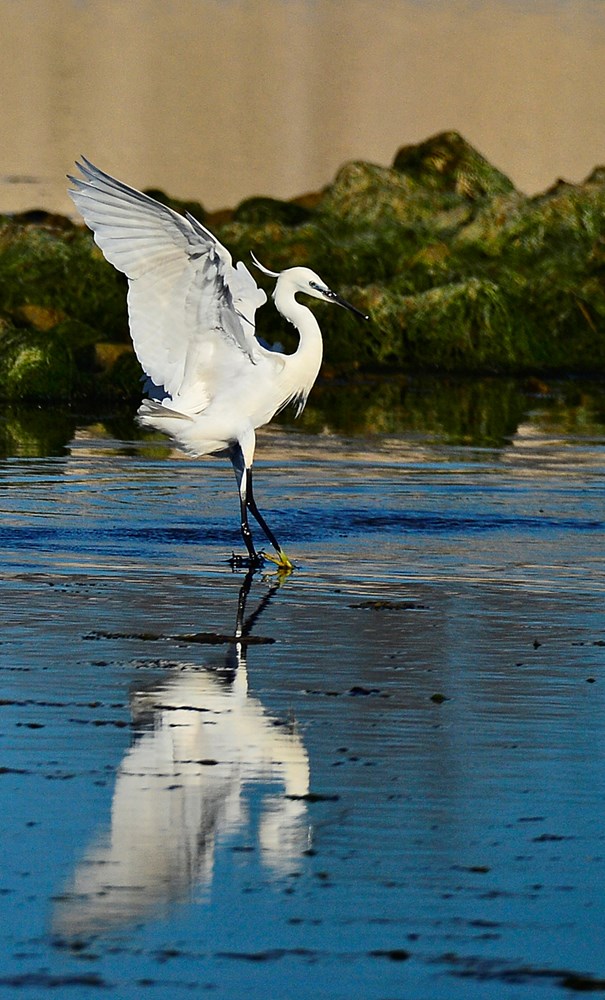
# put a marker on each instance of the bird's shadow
(207, 767)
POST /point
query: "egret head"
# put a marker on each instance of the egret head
(303, 279)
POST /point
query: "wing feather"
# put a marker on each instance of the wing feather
(190, 310)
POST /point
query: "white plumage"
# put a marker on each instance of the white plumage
(192, 321)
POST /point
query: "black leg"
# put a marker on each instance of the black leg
(251, 504)
(283, 562)
(241, 475)
(254, 557)
(248, 503)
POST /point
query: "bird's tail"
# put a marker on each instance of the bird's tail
(184, 428)
(151, 411)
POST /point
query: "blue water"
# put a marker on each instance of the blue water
(390, 787)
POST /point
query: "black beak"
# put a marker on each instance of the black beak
(338, 299)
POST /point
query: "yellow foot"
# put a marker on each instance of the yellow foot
(281, 561)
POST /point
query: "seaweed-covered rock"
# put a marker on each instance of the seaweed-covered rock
(259, 210)
(59, 298)
(462, 325)
(34, 365)
(367, 195)
(64, 271)
(120, 376)
(547, 254)
(458, 270)
(41, 318)
(447, 162)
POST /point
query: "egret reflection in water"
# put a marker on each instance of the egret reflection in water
(203, 748)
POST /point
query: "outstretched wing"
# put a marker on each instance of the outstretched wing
(188, 305)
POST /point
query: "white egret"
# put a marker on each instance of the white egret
(210, 382)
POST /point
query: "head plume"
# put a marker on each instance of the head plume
(265, 270)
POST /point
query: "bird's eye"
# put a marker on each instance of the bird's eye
(322, 288)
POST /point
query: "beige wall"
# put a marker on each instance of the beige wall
(220, 99)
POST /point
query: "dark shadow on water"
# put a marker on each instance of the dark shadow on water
(33, 431)
(207, 766)
(478, 412)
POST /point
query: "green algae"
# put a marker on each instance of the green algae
(446, 162)
(458, 270)
(63, 270)
(35, 365)
(259, 210)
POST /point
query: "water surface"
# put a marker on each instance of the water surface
(382, 776)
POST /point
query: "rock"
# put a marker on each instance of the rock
(123, 378)
(367, 195)
(258, 211)
(61, 271)
(35, 366)
(462, 325)
(107, 355)
(447, 162)
(40, 217)
(42, 318)
(458, 270)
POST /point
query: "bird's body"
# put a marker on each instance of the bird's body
(229, 395)
(211, 383)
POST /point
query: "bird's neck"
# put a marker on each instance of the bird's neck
(305, 363)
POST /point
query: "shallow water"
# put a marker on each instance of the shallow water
(382, 778)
